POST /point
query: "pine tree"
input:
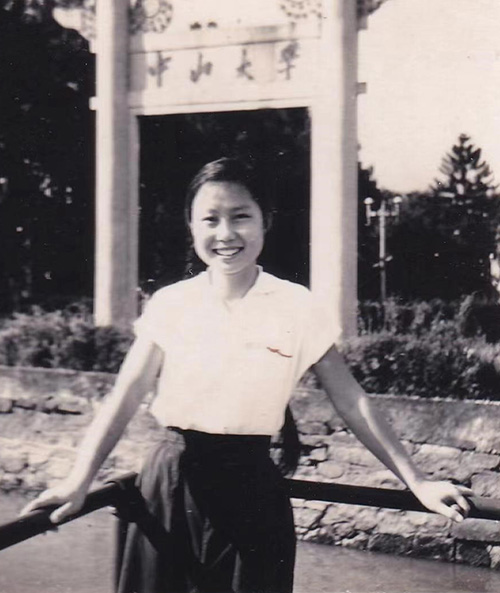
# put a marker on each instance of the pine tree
(464, 206)
(467, 198)
(468, 180)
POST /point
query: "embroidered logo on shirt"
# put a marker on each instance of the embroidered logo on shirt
(278, 352)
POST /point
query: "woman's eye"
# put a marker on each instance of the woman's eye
(210, 219)
(242, 216)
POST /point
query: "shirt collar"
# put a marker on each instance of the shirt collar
(264, 284)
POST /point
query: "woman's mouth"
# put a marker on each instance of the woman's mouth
(227, 251)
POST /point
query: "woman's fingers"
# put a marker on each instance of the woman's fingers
(452, 511)
(446, 498)
(463, 504)
(68, 503)
(64, 511)
(44, 499)
(464, 491)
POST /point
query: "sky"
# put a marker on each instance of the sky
(432, 69)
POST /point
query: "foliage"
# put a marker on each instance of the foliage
(46, 147)
(443, 238)
(423, 348)
(415, 318)
(62, 339)
(440, 363)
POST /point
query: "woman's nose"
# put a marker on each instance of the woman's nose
(225, 230)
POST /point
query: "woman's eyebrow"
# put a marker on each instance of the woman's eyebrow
(238, 208)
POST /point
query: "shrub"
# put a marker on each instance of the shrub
(62, 339)
(440, 362)
(414, 317)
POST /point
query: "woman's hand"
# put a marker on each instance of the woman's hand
(69, 496)
(444, 498)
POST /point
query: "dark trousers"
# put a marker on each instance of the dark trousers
(214, 518)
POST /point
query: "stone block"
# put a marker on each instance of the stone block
(71, 405)
(316, 505)
(38, 457)
(10, 482)
(35, 482)
(464, 424)
(354, 454)
(312, 427)
(395, 523)
(60, 463)
(6, 405)
(310, 535)
(311, 440)
(306, 473)
(331, 470)
(429, 523)
(436, 548)
(494, 552)
(389, 543)
(339, 531)
(336, 424)
(383, 478)
(311, 406)
(474, 554)
(472, 463)
(14, 462)
(486, 483)
(47, 405)
(436, 459)
(318, 454)
(362, 518)
(307, 518)
(26, 403)
(477, 530)
(357, 542)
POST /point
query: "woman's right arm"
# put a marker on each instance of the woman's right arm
(136, 378)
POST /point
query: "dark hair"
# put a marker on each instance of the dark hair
(256, 179)
(235, 170)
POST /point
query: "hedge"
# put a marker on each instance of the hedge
(65, 338)
(407, 349)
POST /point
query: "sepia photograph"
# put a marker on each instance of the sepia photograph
(249, 296)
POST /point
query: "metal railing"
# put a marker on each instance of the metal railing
(123, 495)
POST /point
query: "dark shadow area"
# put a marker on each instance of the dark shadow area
(173, 149)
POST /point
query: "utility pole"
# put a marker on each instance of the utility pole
(389, 208)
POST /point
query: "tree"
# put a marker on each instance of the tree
(469, 192)
(46, 154)
(445, 236)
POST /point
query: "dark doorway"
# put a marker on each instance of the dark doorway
(174, 147)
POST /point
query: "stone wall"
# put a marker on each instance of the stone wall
(457, 440)
(44, 413)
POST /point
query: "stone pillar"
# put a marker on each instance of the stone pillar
(334, 170)
(116, 207)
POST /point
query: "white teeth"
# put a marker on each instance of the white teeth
(227, 251)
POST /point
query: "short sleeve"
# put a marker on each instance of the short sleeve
(151, 323)
(319, 332)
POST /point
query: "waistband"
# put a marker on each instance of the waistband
(210, 441)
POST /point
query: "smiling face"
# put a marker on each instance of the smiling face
(227, 227)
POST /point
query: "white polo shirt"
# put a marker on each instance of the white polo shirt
(232, 371)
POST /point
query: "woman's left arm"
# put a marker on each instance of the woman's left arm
(373, 430)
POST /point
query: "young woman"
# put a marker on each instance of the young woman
(228, 345)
